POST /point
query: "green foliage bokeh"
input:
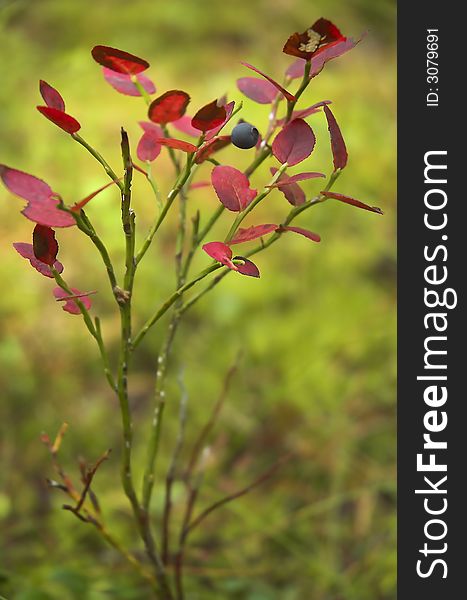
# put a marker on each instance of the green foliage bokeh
(317, 331)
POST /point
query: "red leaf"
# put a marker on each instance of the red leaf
(308, 234)
(44, 244)
(313, 40)
(228, 111)
(282, 90)
(60, 118)
(184, 125)
(148, 148)
(223, 254)
(123, 83)
(82, 203)
(299, 177)
(339, 151)
(256, 89)
(42, 202)
(352, 201)
(210, 147)
(247, 268)
(176, 144)
(305, 112)
(168, 107)
(252, 233)
(210, 116)
(232, 188)
(118, 60)
(71, 305)
(294, 143)
(51, 97)
(27, 251)
(293, 192)
(220, 252)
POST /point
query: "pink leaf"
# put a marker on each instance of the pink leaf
(330, 52)
(290, 97)
(352, 201)
(44, 244)
(305, 232)
(252, 233)
(220, 252)
(297, 68)
(294, 143)
(42, 202)
(27, 251)
(119, 60)
(228, 111)
(258, 90)
(60, 118)
(247, 267)
(210, 147)
(232, 188)
(339, 151)
(71, 306)
(176, 144)
(184, 125)
(124, 85)
(27, 186)
(148, 148)
(299, 177)
(51, 97)
(168, 107)
(293, 192)
(209, 117)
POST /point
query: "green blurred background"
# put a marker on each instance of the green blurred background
(317, 331)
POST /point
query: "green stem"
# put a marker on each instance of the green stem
(182, 179)
(304, 84)
(141, 89)
(170, 301)
(107, 168)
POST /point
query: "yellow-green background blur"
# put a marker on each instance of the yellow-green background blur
(317, 330)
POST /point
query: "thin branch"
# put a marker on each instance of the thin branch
(206, 430)
(230, 497)
(170, 477)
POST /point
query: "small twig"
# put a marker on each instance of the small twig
(206, 430)
(89, 476)
(229, 498)
(170, 477)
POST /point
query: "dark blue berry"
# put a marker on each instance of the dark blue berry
(244, 136)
